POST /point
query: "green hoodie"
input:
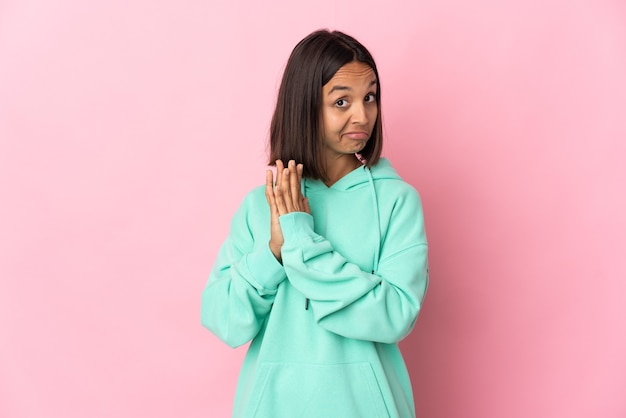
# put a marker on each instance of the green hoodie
(325, 323)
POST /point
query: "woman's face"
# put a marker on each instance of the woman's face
(349, 109)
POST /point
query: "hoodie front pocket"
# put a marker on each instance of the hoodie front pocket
(290, 390)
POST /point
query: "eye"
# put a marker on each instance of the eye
(370, 98)
(341, 103)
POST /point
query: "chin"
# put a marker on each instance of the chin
(360, 147)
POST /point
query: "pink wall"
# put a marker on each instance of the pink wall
(130, 131)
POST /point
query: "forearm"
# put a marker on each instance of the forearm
(239, 294)
(380, 306)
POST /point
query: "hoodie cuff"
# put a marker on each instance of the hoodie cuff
(265, 270)
(296, 226)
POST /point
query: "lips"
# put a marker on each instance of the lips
(358, 135)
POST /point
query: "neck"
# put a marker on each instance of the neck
(337, 167)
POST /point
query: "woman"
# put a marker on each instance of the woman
(325, 268)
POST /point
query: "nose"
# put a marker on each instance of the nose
(359, 114)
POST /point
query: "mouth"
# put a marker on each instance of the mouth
(357, 135)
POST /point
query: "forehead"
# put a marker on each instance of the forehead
(353, 73)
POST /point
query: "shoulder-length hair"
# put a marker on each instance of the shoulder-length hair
(295, 132)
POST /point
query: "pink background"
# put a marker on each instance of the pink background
(130, 132)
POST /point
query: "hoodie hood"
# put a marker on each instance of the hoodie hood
(359, 177)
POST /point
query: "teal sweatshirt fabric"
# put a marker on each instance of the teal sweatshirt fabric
(324, 325)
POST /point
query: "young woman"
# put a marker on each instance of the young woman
(325, 267)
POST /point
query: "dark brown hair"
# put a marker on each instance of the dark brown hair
(295, 129)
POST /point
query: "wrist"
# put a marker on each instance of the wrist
(275, 249)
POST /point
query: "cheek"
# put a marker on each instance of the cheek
(373, 116)
(334, 122)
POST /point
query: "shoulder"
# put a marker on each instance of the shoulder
(253, 205)
(254, 196)
(391, 186)
(401, 209)
(399, 197)
(251, 219)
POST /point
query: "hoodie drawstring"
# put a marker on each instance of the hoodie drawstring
(376, 215)
(303, 188)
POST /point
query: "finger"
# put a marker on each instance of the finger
(300, 174)
(269, 191)
(294, 183)
(300, 170)
(277, 192)
(286, 190)
(279, 195)
(305, 201)
(279, 172)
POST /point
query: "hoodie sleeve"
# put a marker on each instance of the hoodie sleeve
(242, 284)
(379, 306)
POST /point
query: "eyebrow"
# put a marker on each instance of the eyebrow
(373, 83)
